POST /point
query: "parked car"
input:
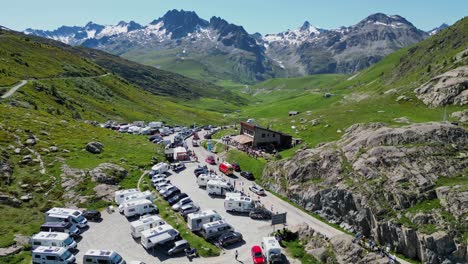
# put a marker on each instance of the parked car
(195, 143)
(257, 255)
(178, 167)
(176, 198)
(260, 213)
(257, 189)
(161, 186)
(210, 160)
(179, 246)
(229, 238)
(92, 215)
(188, 209)
(195, 136)
(171, 192)
(235, 166)
(182, 202)
(248, 175)
(200, 168)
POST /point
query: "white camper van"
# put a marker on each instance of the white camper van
(53, 239)
(215, 229)
(96, 256)
(158, 235)
(195, 221)
(57, 214)
(137, 196)
(237, 203)
(120, 195)
(160, 168)
(271, 249)
(139, 207)
(203, 179)
(217, 187)
(144, 223)
(52, 255)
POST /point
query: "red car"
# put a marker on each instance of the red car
(257, 255)
(210, 160)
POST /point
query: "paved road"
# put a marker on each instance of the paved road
(14, 88)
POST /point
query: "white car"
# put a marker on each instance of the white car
(183, 201)
(257, 189)
(163, 187)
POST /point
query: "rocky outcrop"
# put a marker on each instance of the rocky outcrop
(94, 147)
(462, 116)
(367, 181)
(108, 173)
(6, 170)
(450, 88)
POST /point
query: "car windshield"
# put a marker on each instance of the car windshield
(258, 254)
(66, 255)
(80, 219)
(68, 241)
(116, 258)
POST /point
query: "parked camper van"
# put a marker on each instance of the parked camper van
(203, 179)
(137, 196)
(53, 239)
(63, 227)
(139, 207)
(120, 195)
(272, 250)
(237, 203)
(57, 214)
(144, 223)
(52, 255)
(215, 229)
(226, 168)
(158, 235)
(160, 168)
(195, 221)
(96, 256)
(217, 187)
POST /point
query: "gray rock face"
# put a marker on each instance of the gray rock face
(446, 89)
(375, 172)
(9, 200)
(6, 170)
(462, 116)
(108, 173)
(95, 147)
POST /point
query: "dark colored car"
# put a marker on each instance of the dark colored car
(229, 238)
(92, 215)
(178, 167)
(207, 136)
(248, 175)
(200, 168)
(168, 195)
(174, 199)
(200, 172)
(235, 166)
(260, 213)
(179, 246)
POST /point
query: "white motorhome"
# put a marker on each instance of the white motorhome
(155, 124)
(271, 249)
(97, 256)
(215, 229)
(120, 195)
(160, 168)
(53, 239)
(158, 235)
(203, 179)
(144, 223)
(52, 255)
(139, 207)
(237, 203)
(195, 221)
(218, 187)
(57, 214)
(137, 196)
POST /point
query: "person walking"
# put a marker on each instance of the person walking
(236, 254)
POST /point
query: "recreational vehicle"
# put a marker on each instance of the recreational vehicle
(137, 196)
(215, 229)
(62, 226)
(53, 239)
(52, 255)
(218, 187)
(203, 179)
(160, 168)
(120, 195)
(239, 204)
(97, 256)
(271, 249)
(139, 207)
(144, 223)
(57, 214)
(158, 235)
(195, 221)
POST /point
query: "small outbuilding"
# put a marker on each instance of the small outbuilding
(180, 154)
(293, 113)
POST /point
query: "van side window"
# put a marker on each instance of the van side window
(51, 257)
(54, 244)
(103, 261)
(37, 243)
(88, 260)
(37, 256)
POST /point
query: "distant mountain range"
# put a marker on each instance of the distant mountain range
(183, 42)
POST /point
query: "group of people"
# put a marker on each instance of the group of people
(361, 239)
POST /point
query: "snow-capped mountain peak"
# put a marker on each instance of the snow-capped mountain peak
(305, 33)
(437, 29)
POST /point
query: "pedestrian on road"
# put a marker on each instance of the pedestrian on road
(236, 254)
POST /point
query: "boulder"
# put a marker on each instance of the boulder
(53, 149)
(462, 116)
(30, 142)
(94, 147)
(26, 198)
(9, 200)
(108, 173)
(450, 88)
(105, 192)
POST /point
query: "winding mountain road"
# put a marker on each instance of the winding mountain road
(14, 89)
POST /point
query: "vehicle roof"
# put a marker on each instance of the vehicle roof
(137, 202)
(126, 191)
(63, 211)
(180, 242)
(203, 214)
(51, 235)
(43, 249)
(256, 248)
(239, 198)
(271, 242)
(157, 230)
(146, 220)
(100, 252)
(215, 223)
(57, 224)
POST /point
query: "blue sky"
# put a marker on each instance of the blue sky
(264, 16)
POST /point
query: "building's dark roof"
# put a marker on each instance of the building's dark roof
(253, 126)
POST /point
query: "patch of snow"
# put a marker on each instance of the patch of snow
(295, 36)
(91, 33)
(112, 30)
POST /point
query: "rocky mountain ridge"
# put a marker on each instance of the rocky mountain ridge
(303, 51)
